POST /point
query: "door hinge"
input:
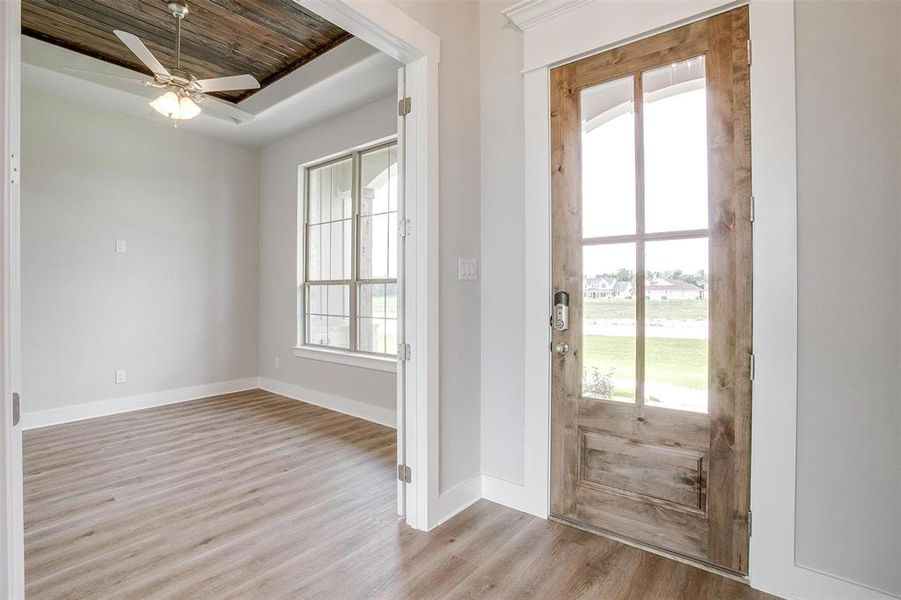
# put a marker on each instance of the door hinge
(404, 106)
(404, 474)
(749, 52)
(404, 352)
(750, 529)
(17, 408)
(752, 208)
(752, 365)
(13, 168)
(404, 228)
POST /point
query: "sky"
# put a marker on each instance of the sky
(675, 156)
(689, 256)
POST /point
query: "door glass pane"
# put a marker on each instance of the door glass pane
(378, 214)
(377, 315)
(676, 324)
(330, 205)
(608, 322)
(608, 158)
(675, 146)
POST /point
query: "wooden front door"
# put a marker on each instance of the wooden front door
(652, 241)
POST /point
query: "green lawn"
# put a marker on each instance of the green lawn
(681, 362)
(695, 310)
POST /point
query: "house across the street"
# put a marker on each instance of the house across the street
(606, 286)
(601, 286)
(672, 289)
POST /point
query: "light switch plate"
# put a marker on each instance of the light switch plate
(468, 269)
(120, 375)
(121, 247)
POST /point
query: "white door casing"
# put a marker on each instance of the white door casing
(12, 558)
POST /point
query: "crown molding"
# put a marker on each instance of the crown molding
(528, 13)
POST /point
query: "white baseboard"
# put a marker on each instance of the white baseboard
(455, 500)
(513, 495)
(102, 408)
(354, 408)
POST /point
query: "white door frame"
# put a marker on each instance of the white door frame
(12, 556)
(388, 29)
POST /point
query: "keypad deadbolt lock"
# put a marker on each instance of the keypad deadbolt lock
(560, 320)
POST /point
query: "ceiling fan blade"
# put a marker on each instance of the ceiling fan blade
(142, 52)
(225, 84)
(226, 110)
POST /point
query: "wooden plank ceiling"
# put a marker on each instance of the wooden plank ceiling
(265, 38)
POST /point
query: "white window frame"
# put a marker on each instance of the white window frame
(346, 356)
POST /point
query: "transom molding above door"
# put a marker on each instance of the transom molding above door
(528, 13)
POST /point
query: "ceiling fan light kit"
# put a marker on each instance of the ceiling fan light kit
(176, 107)
(183, 92)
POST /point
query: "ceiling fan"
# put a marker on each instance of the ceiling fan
(183, 93)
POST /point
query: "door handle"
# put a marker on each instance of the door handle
(561, 348)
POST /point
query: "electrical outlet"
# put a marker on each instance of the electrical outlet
(120, 375)
(276, 362)
(121, 247)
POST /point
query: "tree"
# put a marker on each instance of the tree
(624, 275)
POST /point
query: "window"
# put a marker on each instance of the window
(349, 255)
(645, 263)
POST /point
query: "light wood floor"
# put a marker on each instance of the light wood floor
(253, 495)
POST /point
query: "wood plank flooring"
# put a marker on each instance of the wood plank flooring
(252, 495)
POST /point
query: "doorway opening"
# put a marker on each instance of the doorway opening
(417, 49)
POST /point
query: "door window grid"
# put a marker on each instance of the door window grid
(346, 303)
(691, 77)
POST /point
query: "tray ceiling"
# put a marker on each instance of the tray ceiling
(266, 38)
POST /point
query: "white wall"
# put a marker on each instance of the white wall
(848, 520)
(179, 308)
(457, 24)
(502, 244)
(313, 380)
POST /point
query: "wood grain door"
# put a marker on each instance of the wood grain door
(652, 240)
